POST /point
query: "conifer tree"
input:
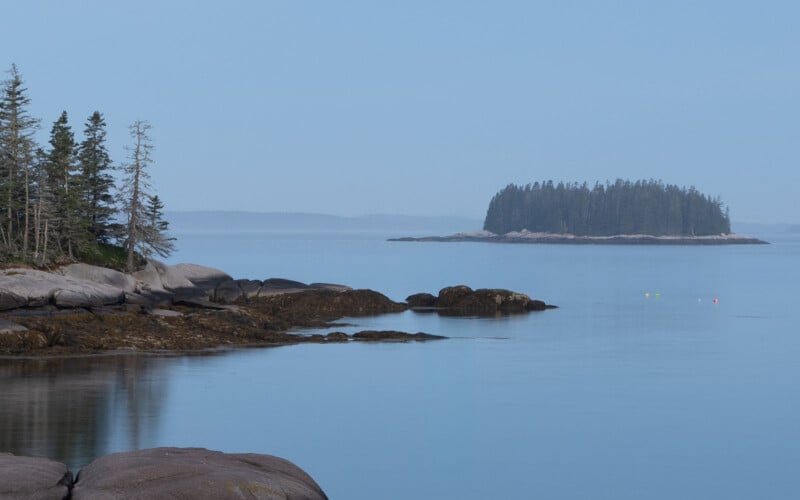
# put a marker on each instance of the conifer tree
(17, 154)
(146, 229)
(154, 236)
(95, 168)
(65, 187)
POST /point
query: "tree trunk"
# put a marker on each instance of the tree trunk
(27, 203)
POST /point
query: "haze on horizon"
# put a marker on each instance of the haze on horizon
(425, 108)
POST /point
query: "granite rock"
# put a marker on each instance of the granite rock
(33, 478)
(193, 473)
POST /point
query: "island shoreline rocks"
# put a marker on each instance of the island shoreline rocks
(83, 309)
(529, 237)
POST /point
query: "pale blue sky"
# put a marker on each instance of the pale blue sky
(429, 107)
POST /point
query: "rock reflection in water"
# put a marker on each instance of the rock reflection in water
(76, 409)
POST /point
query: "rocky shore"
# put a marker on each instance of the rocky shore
(525, 236)
(81, 309)
(158, 473)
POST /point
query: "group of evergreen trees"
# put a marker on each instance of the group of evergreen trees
(60, 203)
(624, 207)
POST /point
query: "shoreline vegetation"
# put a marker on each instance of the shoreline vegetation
(82, 309)
(529, 237)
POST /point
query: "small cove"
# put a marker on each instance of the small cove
(614, 395)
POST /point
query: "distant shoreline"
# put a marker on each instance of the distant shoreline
(570, 239)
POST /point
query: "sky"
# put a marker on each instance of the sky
(425, 107)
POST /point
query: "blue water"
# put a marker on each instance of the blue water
(614, 395)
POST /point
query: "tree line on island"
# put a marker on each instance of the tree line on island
(623, 207)
(60, 203)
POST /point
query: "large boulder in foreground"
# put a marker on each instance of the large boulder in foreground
(33, 478)
(193, 473)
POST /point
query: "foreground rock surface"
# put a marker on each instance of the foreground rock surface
(193, 473)
(158, 473)
(33, 478)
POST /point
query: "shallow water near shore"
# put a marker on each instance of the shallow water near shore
(615, 395)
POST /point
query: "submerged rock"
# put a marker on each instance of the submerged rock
(33, 478)
(392, 335)
(193, 473)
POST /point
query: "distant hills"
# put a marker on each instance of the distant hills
(238, 221)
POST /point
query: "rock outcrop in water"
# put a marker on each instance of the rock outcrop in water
(159, 473)
(462, 300)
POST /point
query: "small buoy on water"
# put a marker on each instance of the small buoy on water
(658, 295)
(716, 300)
(647, 295)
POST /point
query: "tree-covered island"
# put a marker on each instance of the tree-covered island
(644, 212)
(643, 207)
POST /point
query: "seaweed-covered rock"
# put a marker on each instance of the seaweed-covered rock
(315, 307)
(337, 337)
(421, 300)
(491, 301)
(464, 301)
(392, 335)
(452, 295)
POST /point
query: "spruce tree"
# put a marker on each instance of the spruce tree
(66, 186)
(17, 155)
(155, 238)
(95, 168)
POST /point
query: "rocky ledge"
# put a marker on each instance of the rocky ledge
(526, 236)
(85, 309)
(158, 473)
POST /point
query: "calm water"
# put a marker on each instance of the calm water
(614, 395)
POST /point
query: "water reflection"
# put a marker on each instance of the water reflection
(76, 409)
